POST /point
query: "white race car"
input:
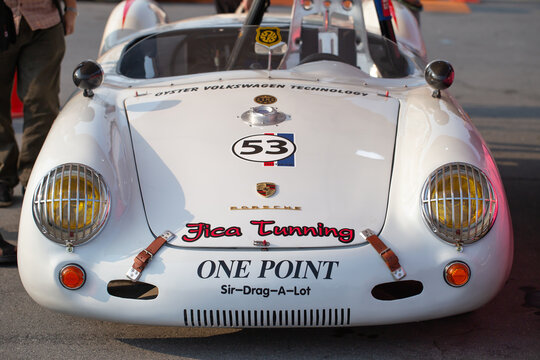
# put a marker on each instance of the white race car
(264, 170)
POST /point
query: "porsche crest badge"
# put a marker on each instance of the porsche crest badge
(266, 189)
(268, 36)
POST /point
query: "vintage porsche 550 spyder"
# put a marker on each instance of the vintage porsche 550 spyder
(264, 170)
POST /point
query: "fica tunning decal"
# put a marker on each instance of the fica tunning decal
(197, 231)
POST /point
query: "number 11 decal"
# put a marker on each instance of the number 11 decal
(269, 149)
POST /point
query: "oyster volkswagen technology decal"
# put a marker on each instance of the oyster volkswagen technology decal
(269, 149)
(296, 87)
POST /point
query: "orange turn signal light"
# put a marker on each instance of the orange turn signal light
(72, 276)
(457, 273)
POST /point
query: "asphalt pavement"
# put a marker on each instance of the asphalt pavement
(495, 50)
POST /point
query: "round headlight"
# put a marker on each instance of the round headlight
(459, 203)
(71, 204)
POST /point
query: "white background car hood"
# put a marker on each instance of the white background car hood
(190, 178)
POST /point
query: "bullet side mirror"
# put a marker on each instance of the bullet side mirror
(88, 75)
(439, 74)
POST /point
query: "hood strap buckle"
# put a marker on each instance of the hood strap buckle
(144, 257)
(389, 257)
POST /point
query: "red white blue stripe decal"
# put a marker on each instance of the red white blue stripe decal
(288, 161)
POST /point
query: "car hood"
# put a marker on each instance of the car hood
(327, 158)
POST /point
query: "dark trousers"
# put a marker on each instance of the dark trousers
(36, 56)
(226, 6)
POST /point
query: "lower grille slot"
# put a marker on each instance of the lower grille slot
(267, 318)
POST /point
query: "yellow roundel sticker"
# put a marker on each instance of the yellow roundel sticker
(265, 99)
(268, 36)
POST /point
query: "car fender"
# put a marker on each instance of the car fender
(93, 132)
(433, 132)
(128, 17)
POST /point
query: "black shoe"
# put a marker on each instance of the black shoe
(6, 195)
(8, 252)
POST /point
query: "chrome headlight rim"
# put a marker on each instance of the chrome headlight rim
(489, 204)
(42, 206)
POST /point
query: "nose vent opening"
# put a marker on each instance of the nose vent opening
(132, 290)
(397, 290)
(264, 318)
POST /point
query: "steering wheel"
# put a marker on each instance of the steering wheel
(321, 57)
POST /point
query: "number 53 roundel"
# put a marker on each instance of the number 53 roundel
(270, 149)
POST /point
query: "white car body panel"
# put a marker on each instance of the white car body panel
(146, 142)
(204, 195)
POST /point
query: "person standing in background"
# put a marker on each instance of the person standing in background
(231, 6)
(8, 252)
(35, 52)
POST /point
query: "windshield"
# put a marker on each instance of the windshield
(192, 51)
(309, 37)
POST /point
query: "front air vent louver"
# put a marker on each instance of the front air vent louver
(267, 318)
